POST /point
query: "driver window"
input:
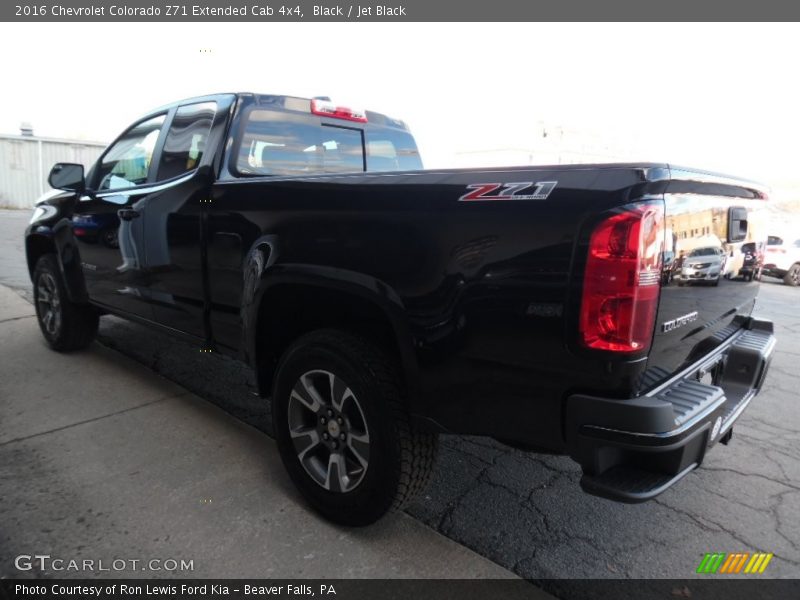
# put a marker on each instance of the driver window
(127, 162)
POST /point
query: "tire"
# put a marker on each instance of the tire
(66, 326)
(386, 460)
(109, 237)
(792, 276)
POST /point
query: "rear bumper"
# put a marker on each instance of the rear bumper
(773, 271)
(632, 450)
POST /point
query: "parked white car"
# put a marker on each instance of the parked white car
(782, 260)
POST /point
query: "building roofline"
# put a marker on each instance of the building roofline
(36, 138)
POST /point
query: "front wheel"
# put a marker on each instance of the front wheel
(343, 430)
(65, 325)
(792, 276)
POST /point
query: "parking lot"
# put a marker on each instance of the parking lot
(526, 512)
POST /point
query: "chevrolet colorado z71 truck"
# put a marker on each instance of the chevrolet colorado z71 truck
(381, 304)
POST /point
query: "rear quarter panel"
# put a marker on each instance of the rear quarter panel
(484, 286)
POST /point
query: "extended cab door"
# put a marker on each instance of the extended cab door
(106, 223)
(174, 217)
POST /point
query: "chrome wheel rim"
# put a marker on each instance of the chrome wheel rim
(329, 431)
(49, 303)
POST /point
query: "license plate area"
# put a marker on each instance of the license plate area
(712, 372)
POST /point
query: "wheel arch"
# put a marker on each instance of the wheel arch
(36, 246)
(60, 241)
(292, 300)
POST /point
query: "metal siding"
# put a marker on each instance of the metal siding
(23, 178)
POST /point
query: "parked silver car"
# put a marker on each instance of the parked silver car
(703, 264)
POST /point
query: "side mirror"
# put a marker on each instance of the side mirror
(67, 176)
(737, 224)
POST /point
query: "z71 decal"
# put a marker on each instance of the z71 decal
(522, 190)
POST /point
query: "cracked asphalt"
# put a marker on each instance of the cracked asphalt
(526, 512)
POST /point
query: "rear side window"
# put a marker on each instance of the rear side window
(392, 150)
(277, 143)
(186, 139)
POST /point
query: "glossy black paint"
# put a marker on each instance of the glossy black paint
(479, 300)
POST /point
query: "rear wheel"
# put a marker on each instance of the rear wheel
(792, 276)
(65, 325)
(343, 430)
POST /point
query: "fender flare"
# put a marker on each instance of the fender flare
(66, 250)
(262, 278)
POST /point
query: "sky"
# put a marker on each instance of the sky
(723, 97)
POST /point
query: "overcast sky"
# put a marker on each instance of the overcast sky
(724, 97)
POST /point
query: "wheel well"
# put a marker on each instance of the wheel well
(291, 310)
(37, 246)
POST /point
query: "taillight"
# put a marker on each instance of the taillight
(326, 108)
(622, 279)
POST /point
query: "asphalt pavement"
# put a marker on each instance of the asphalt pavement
(526, 512)
(103, 460)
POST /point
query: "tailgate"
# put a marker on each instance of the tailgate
(707, 290)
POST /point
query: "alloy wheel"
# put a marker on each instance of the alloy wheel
(49, 304)
(329, 431)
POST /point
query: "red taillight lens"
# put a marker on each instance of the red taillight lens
(622, 280)
(329, 109)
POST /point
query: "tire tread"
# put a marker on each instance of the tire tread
(417, 448)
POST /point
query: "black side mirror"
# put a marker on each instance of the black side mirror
(737, 224)
(67, 176)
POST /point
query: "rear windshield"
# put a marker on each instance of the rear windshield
(281, 143)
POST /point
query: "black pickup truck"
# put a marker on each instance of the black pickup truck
(584, 310)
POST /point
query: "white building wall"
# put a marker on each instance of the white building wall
(26, 161)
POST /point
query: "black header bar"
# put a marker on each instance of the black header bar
(179, 11)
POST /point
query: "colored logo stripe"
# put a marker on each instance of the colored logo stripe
(711, 562)
(721, 562)
(734, 562)
(758, 563)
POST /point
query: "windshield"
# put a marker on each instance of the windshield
(704, 252)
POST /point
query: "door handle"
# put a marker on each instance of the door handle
(128, 214)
